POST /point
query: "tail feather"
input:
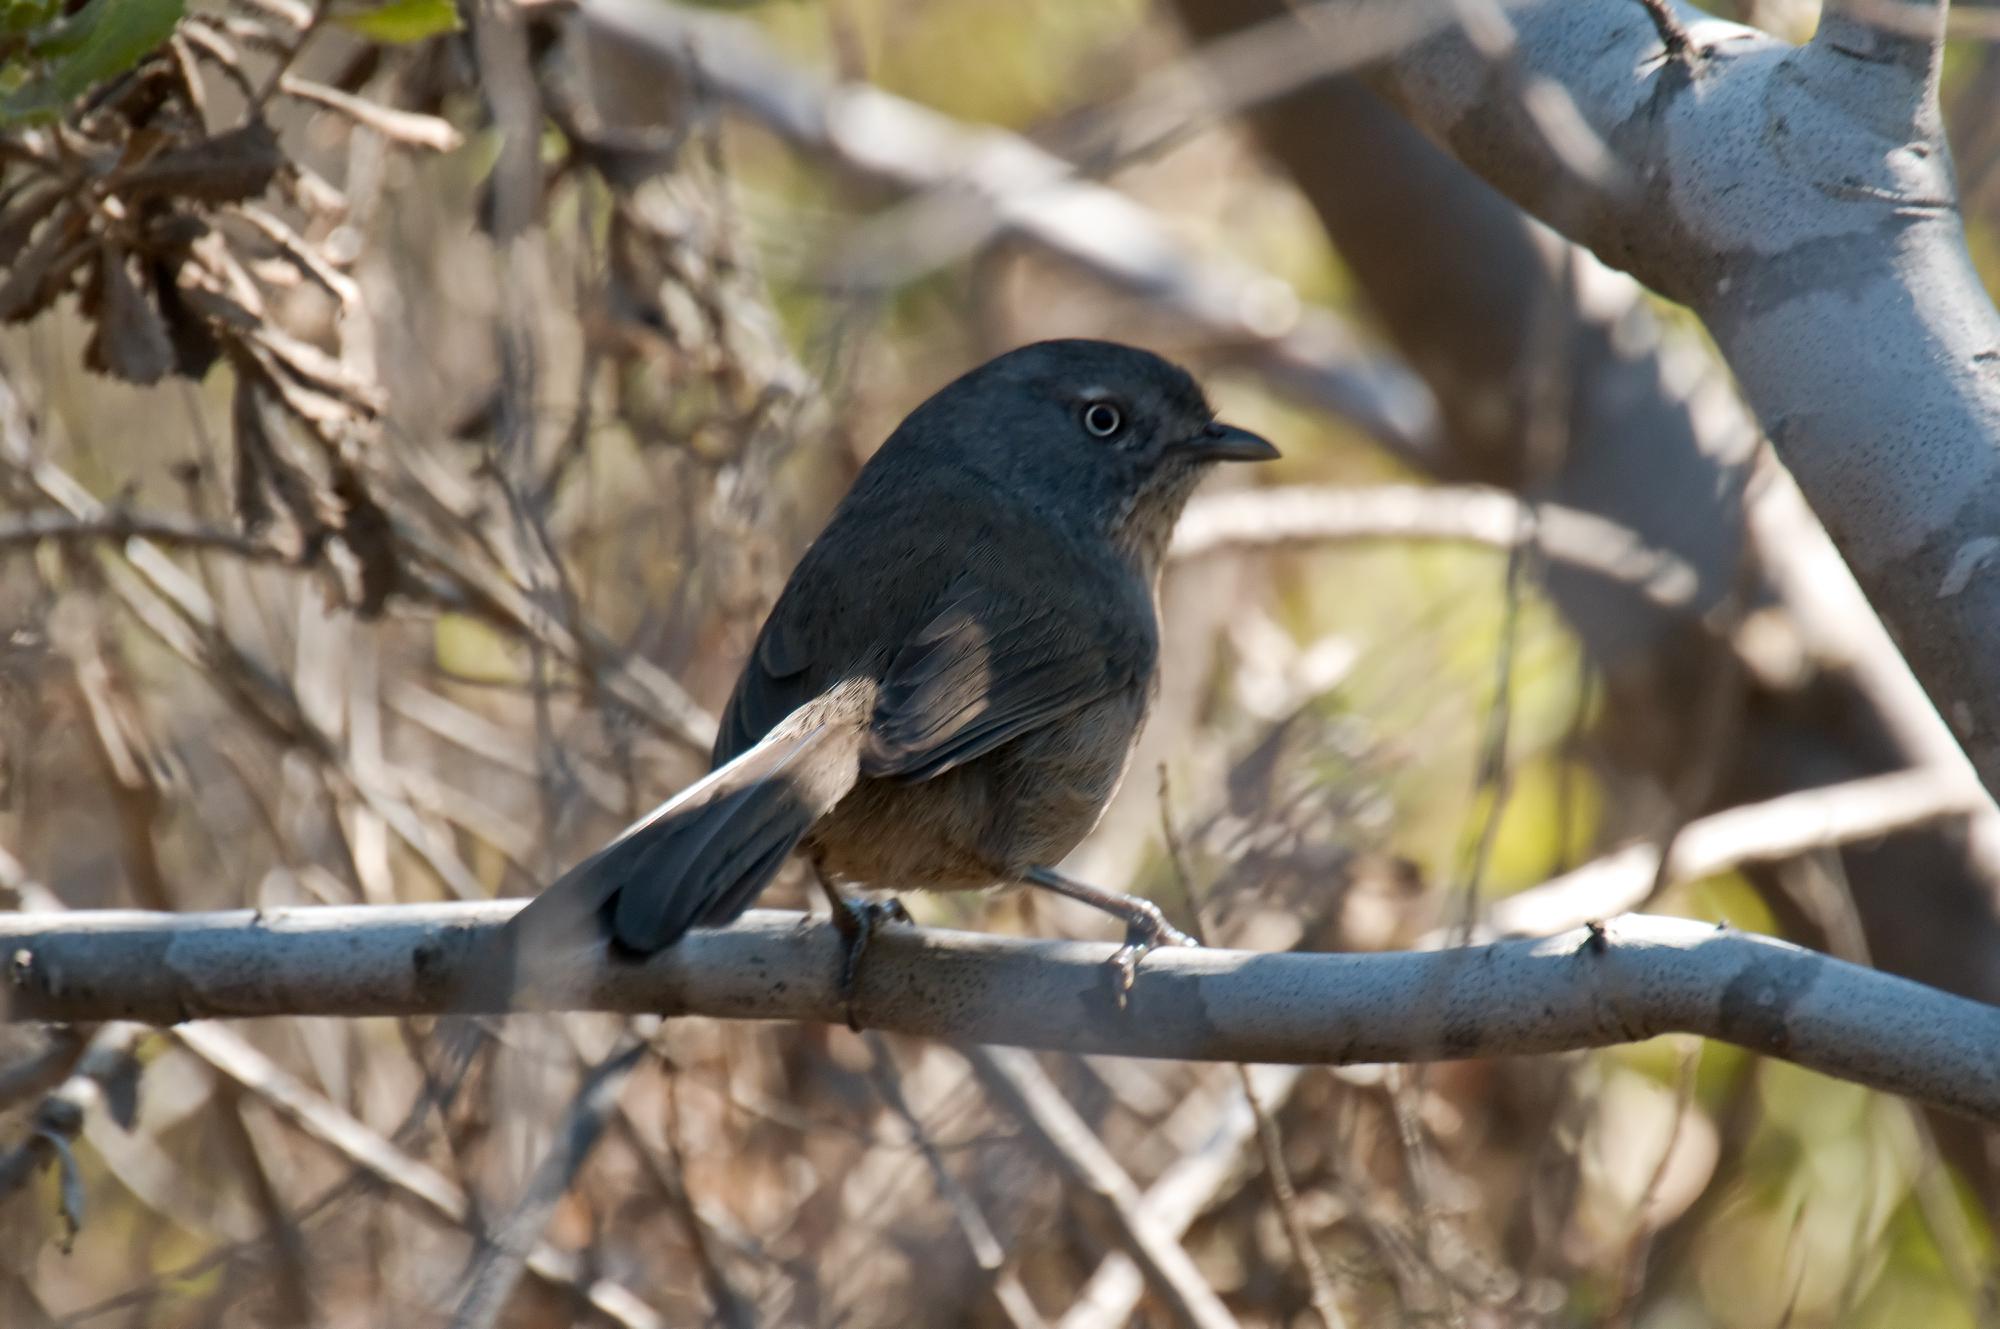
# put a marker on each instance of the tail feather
(673, 874)
(704, 855)
(701, 857)
(749, 884)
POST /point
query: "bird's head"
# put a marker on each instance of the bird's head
(1098, 435)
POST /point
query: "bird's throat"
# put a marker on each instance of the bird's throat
(1144, 523)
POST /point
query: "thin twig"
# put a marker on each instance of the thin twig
(115, 524)
(1673, 35)
(1018, 1081)
(1772, 831)
(505, 1254)
(1307, 515)
(1325, 1303)
(1276, 1172)
(987, 1251)
(732, 1309)
(1192, 1184)
(411, 1178)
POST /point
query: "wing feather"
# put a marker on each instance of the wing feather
(983, 672)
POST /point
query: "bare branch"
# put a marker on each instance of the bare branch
(632, 680)
(1778, 828)
(405, 127)
(1673, 33)
(500, 1261)
(1474, 514)
(112, 524)
(1835, 281)
(1008, 1293)
(1189, 1186)
(1088, 1167)
(313, 1115)
(1285, 1193)
(1630, 979)
(409, 1177)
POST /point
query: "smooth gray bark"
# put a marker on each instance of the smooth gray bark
(1629, 979)
(1800, 199)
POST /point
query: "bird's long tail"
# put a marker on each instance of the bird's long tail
(703, 856)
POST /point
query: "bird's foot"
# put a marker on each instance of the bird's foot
(1146, 929)
(857, 921)
(1145, 926)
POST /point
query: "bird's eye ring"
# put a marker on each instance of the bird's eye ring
(1102, 419)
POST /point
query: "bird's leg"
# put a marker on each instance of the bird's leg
(857, 922)
(1145, 926)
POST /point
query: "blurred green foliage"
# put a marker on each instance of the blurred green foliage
(400, 22)
(998, 64)
(56, 60)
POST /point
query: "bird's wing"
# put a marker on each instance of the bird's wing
(778, 678)
(989, 668)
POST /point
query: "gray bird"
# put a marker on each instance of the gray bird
(947, 692)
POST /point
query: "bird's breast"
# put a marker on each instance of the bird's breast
(1025, 804)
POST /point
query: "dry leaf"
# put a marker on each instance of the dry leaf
(219, 309)
(171, 234)
(195, 344)
(255, 459)
(41, 272)
(367, 531)
(71, 1189)
(130, 338)
(27, 211)
(328, 416)
(228, 168)
(264, 458)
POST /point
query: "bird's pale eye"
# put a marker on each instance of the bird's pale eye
(1102, 419)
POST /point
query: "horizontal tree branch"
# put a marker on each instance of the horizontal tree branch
(1768, 832)
(110, 523)
(1466, 514)
(1626, 980)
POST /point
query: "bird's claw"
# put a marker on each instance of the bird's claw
(1141, 936)
(857, 922)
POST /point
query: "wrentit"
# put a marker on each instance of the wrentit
(947, 691)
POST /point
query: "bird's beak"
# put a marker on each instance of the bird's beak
(1221, 442)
